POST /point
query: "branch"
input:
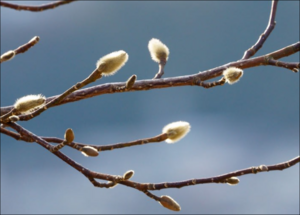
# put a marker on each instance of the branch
(35, 8)
(21, 49)
(188, 80)
(264, 36)
(113, 180)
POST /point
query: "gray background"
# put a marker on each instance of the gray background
(253, 122)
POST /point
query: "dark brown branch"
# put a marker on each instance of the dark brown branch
(264, 36)
(39, 8)
(25, 47)
(188, 80)
(218, 179)
(145, 187)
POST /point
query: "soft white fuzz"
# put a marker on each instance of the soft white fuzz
(111, 63)
(176, 131)
(158, 50)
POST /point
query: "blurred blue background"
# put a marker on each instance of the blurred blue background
(253, 122)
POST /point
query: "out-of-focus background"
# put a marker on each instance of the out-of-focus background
(253, 122)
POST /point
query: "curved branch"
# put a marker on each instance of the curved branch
(188, 80)
(264, 36)
(39, 8)
(145, 187)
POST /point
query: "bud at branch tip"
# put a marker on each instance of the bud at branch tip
(159, 52)
(111, 63)
(176, 131)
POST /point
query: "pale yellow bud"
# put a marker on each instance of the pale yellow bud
(89, 151)
(69, 135)
(169, 203)
(232, 181)
(176, 131)
(7, 56)
(232, 75)
(29, 103)
(111, 63)
(127, 175)
(158, 51)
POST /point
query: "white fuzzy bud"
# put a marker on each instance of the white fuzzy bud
(111, 63)
(29, 103)
(232, 75)
(176, 131)
(158, 51)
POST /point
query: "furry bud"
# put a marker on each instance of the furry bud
(169, 203)
(69, 135)
(29, 103)
(176, 131)
(232, 75)
(127, 175)
(111, 63)
(158, 51)
(232, 181)
(7, 56)
(89, 151)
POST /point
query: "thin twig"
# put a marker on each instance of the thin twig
(23, 48)
(263, 37)
(160, 72)
(79, 146)
(95, 75)
(150, 84)
(152, 186)
(39, 8)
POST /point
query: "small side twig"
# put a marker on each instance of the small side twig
(263, 37)
(79, 146)
(95, 75)
(39, 8)
(160, 72)
(20, 49)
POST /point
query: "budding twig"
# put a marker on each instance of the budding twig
(187, 80)
(145, 187)
(21, 49)
(107, 65)
(40, 8)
